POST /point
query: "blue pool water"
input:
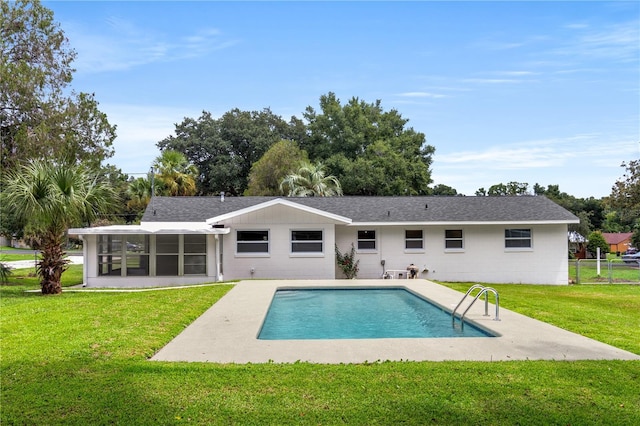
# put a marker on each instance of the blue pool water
(357, 314)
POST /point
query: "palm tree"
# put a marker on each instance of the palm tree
(52, 197)
(176, 175)
(311, 181)
(139, 194)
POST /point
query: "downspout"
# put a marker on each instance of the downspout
(85, 266)
(218, 260)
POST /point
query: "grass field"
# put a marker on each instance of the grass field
(82, 358)
(10, 257)
(613, 272)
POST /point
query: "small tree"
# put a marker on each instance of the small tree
(278, 162)
(597, 240)
(50, 198)
(347, 262)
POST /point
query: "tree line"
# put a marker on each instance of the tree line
(370, 151)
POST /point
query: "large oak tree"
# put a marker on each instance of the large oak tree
(371, 151)
(39, 116)
(224, 149)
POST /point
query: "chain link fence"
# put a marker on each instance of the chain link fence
(586, 271)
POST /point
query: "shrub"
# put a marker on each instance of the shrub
(347, 262)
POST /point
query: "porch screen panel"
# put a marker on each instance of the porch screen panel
(195, 254)
(137, 255)
(109, 255)
(167, 254)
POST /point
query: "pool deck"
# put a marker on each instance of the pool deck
(227, 333)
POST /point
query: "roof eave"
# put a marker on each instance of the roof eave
(146, 230)
(468, 223)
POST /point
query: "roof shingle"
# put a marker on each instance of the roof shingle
(374, 209)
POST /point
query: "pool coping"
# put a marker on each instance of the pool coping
(227, 333)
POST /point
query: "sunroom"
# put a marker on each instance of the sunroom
(151, 254)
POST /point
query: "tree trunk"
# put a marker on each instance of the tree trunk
(53, 262)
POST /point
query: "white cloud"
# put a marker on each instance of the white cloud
(139, 129)
(517, 73)
(122, 45)
(577, 26)
(583, 165)
(421, 95)
(620, 42)
(492, 80)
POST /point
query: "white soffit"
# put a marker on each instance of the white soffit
(152, 228)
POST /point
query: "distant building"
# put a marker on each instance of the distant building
(619, 242)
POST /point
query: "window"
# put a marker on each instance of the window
(252, 242)
(413, 239)
(517, 238)
(453, 239)
(123, 255)
(366, 240)
(306, 241)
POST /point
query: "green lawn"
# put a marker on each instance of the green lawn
(620, 272)
(81, 358)
(10, 257)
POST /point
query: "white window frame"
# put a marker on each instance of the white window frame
(254, 253)
(294, 253)
(459, 239)
(366, 240)
(407, 240)
(518, 238)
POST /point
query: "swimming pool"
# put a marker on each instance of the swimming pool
(365, 313)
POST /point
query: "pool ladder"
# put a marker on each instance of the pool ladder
(483, 290)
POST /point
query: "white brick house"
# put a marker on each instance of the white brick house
(187, 240)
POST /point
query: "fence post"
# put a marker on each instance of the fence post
(577, 271)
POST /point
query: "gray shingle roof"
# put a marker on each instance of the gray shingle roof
(374, 209)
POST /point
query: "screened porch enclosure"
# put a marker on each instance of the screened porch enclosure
(129, 255)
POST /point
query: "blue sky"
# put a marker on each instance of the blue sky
(537, 92)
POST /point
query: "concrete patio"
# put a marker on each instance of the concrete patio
(227, 333)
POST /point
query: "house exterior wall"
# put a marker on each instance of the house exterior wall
(483, 258)
(279, 262)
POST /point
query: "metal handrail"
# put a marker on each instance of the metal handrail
(484, 290)
(453, 314)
